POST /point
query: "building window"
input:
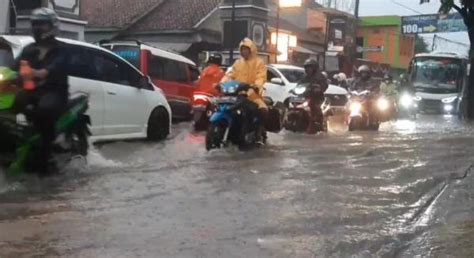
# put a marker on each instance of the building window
(27, 4)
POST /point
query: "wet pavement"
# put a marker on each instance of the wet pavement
(404, 191)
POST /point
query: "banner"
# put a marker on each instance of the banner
(432, 23)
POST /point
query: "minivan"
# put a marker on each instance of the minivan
(175, 74)
(124, 103)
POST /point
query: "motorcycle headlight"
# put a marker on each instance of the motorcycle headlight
(300, 90)
(406, 100)
(231, 90)
(383, 104)
(355, 107)
(449, 100)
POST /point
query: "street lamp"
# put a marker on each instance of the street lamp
(284, 4)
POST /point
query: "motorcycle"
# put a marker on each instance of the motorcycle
(299, 110)
(234, 122)
(19, 141)
(407, 107)
(366, 110)
(202, 109)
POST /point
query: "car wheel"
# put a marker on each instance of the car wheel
(158, 125)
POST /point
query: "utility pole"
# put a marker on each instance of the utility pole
(356, 12)
(232, 24)
(277, 34)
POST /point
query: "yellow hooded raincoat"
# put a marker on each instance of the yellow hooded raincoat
(252, 71)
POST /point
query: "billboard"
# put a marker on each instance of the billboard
(432, 23)
(337, 30)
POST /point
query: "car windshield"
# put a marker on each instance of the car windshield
(6, 55)
(129, 53)
(443, 74)
(293, 75)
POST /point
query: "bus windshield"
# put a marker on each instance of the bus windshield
(438, 74)
(129, 53)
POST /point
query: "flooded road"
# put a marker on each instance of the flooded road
(404, 191)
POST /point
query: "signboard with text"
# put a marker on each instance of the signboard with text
(432, 23)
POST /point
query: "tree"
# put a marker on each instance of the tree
(420, 45)
(466, 9)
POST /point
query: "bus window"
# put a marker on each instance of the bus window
(438, 73)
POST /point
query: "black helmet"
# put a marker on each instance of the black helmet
(43, 16)
(215, 59)
(311, 62)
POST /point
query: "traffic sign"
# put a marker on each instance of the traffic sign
(432, 23)
(370, 49)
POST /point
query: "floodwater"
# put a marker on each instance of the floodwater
(404, 191)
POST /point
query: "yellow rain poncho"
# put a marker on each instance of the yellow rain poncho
(251, 71)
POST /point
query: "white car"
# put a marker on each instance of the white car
(283, 78)
(123, 104)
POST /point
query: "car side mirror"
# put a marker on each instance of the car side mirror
(277, 81)
(144, 82)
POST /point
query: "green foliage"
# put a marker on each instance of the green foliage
(420, 45)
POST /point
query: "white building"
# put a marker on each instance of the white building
(68, 10)
(4, 17)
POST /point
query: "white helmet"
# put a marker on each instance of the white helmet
(364, 68)
(342, 76)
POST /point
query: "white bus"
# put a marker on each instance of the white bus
(437, 80)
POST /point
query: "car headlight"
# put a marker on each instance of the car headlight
(1, 76)
(300, 90)
(355, 107)
(383, 104)
(448, 108)
(449, 100)
(406, 100)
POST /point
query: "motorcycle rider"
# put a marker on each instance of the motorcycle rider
(251, 70)
(211, 75)
(44, 103)
(341, 80)
(318, 84)
(388, 88)
(364, 80)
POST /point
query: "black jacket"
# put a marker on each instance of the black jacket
(317, 81)
(52, 56)
(360, 85)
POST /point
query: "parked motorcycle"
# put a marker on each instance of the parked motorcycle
(19, 141)
(233, 121)
(203, 105)
(365, 110)
(299, 110)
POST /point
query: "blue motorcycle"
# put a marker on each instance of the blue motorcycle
(233, 120)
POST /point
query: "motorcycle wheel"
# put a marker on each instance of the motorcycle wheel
(214, 136)
(243, 142)
(81, 139)
(374, 127)
(355, 124)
